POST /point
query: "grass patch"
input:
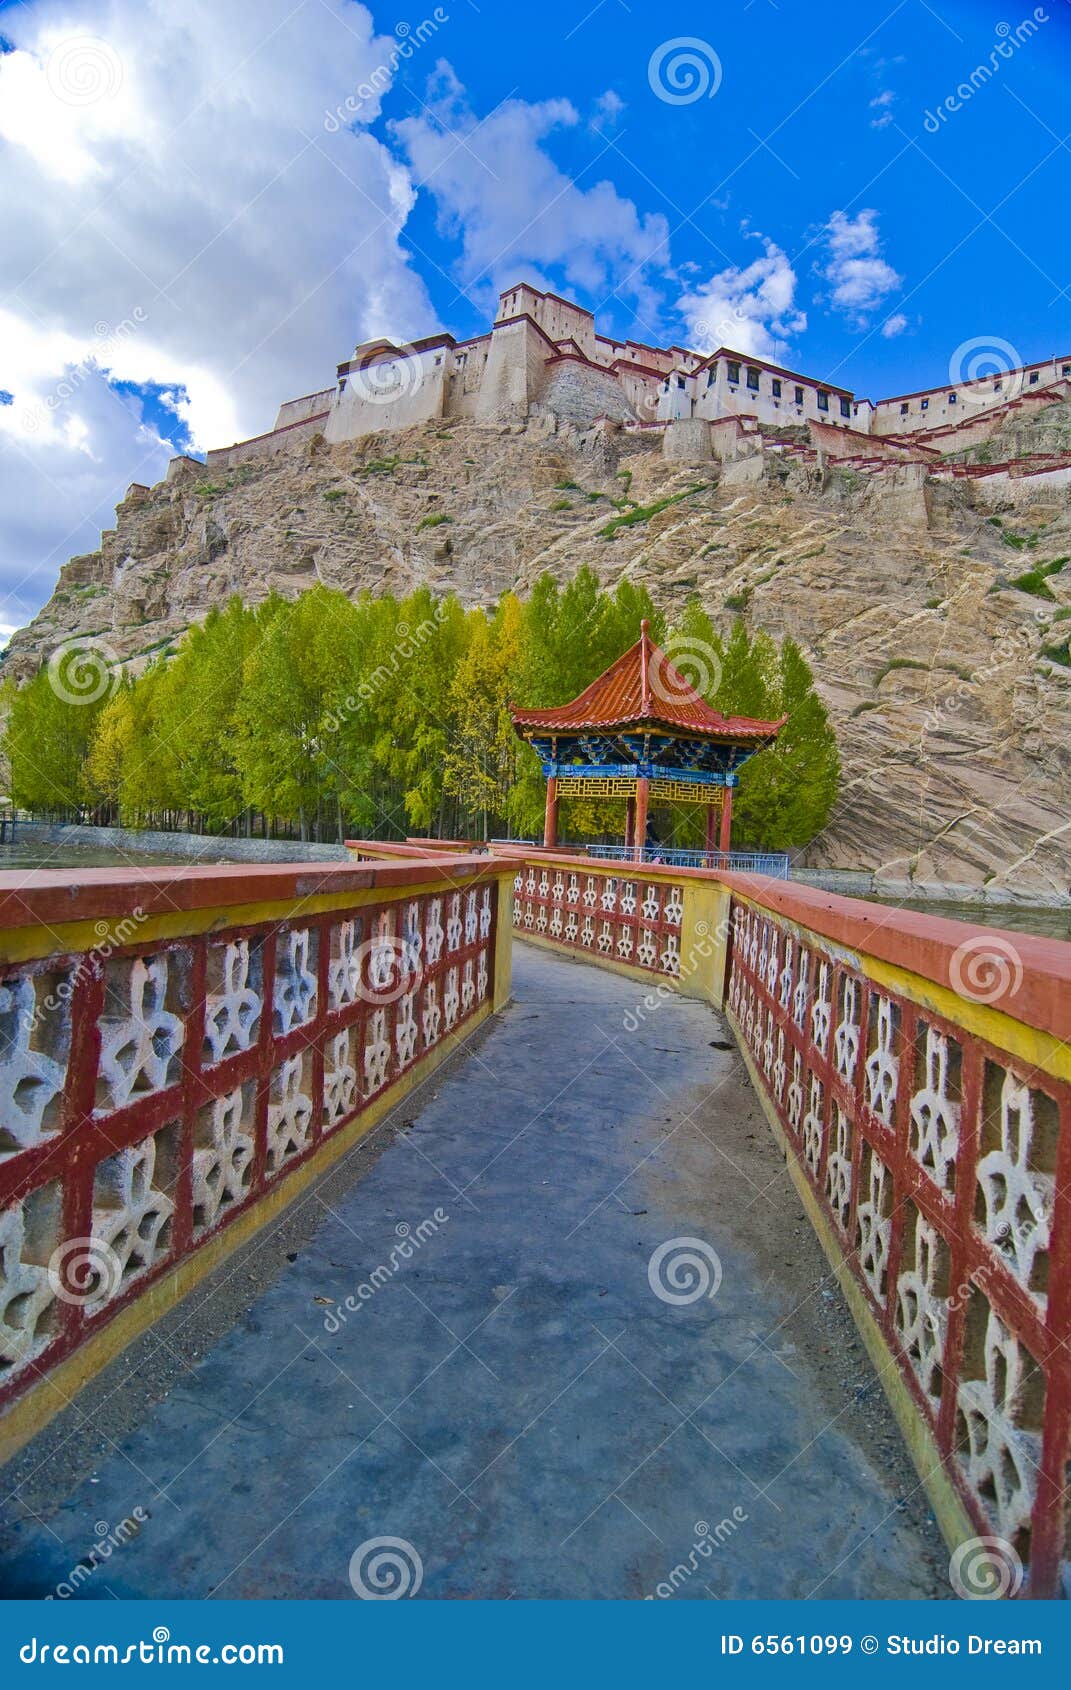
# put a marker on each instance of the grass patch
(740, 600)
(208, 490)
(333, 493)
(1034, 581)
(1059, 653)
(567, 487)
(562, 505)
(643, 513)
(433, 521)
(380, 466)
(933, 604)
(898, 663)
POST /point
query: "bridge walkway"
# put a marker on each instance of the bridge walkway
(513, 1400)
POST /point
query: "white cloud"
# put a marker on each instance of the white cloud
(881, 103)
(607, 113)
(498, 191)
(860, 279)
(178, 212)
(894, 325)
(750, 309)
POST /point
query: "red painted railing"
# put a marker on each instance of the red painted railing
(919, 1071)
(624, 917)
(937, 1157)
(193, 1039)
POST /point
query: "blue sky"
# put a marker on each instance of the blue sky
(209, 205)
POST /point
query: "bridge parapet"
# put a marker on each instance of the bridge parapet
(916, 1072)
(182, 1051)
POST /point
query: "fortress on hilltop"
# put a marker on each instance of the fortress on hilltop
(543, 356)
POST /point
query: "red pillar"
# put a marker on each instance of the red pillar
(709, 844)
(550, 825)
(630, 821)
(640, 824)
(726, 819)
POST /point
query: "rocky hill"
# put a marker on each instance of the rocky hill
(931, 603)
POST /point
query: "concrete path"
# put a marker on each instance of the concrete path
(515, 1401)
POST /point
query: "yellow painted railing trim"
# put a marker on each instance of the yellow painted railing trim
(1036, 1049)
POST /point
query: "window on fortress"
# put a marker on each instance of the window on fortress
(733, 371)
(998, 386)
(1033, 377)
(845, 408)
(711, 373)
(903, 410)
(680, 381)
(753, 379)
(1066, 370)
(799, 396)
(775, 387)
(823, 401)
(953, 398)
(925, 405)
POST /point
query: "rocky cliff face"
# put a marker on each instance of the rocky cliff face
(935, 633)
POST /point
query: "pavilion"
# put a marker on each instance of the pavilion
(641, 732)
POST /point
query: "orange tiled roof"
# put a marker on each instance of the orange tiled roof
(644, 688)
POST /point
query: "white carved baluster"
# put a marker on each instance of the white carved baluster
(795, 1093)
(873, 1223)
(344, 967)
(405, 1029)
(846, 1037)
(232, 1015)
(433, 931)
(139, 1047)
(674, 909)
(376, 1052)
(1003, 1455)
(295, 981)
(670, 958)
(922, 1307)
(289, 1112)
(31, 1080)
(222, 1159)
(431, 1014)
(131, 1215)
(26, 1296)
(821, 1009)
(451, 998)
(883, 1064)
(934, 1113)
(647, 949)
(839, 1166)
(340, 1078)
(812, 1126)
(481, 977)
(453, 922)
(472, 920)
(1018, 1196)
